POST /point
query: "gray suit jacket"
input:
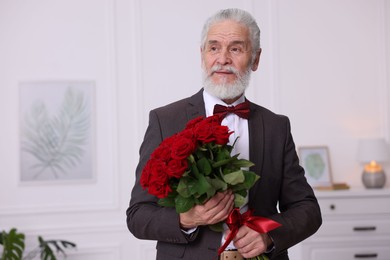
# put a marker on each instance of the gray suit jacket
(282, 181)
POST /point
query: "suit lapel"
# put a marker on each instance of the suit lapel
(256, 142)
(196, 106)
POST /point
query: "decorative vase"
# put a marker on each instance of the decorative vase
(374, 180)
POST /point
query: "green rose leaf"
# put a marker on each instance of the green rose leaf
(223, 162)
(194, 169)
(191, 159)
(167, 202)
(222, 154)
(242, 163)
(185, 186)
(201, 199)
(204, 166)
(234, 178)
(242, 193)
(250, 179)
(239, 200)
(217, 183)
(201, 186)
(183, 204)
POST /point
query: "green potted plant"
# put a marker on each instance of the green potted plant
(13, 246)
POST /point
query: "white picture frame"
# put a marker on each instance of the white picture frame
(315, 160)
(56, 131)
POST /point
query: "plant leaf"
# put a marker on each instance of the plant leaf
(242, 163)
(218, 184)
(186, 186)
(183, 204)
(47, 252)
(239, 200)
(250, 180)
(67, 244)
(222, 154)
(166, 202)
(13, 245)
(204, 166)
(201, 186)
(234, 178)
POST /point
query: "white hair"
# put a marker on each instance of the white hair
(240, 16)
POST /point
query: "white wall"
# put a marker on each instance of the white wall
(324, 64)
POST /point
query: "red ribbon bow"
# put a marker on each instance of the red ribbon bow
(235, 220)
(242, 110)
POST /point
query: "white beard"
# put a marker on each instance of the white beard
(226, 90)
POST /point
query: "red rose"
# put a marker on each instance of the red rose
(158, 171)
(221, 134)
(188, 133)
(193, 122)
(155, 178)
(204, 132)
(176, 168)
(182, 148)
(160, 190)
(162, 153)
(169, 141)
(145, 177)
(213, 120)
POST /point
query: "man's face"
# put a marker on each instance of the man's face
(227, 44)
(226, 59)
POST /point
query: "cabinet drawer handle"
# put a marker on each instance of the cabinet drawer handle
(364, 228)
(366, 255)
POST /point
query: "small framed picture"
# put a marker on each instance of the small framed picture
(315, 161)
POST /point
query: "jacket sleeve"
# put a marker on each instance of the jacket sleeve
(300, 213)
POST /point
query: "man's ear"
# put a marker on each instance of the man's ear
(255, 64)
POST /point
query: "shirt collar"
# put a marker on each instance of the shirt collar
(210, 101)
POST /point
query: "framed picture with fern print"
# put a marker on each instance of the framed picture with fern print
(315, 161)
(56, 131)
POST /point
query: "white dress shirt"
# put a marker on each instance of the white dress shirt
(235, 123)
(240, 127)
(241, 133)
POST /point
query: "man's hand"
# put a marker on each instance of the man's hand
(213, 211)
(249, 242)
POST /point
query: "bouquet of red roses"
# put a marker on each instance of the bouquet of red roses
(193, 165)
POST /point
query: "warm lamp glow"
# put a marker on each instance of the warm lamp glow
(372, 167)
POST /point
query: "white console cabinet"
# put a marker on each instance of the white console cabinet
(356, 225)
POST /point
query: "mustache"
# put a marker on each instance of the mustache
(219, 67)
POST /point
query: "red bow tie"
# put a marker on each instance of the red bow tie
(242, 110)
